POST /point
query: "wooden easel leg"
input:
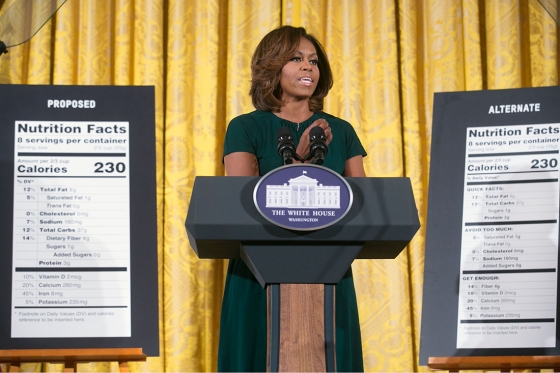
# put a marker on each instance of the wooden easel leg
(123, 366)
(70, 367)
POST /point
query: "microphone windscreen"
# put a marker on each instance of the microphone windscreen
(283, 132)
(316, 132)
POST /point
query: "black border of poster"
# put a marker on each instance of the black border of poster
(112, 103)
(453, 113)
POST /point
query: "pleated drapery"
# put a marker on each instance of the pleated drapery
(388, 59)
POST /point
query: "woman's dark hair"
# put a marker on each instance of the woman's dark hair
(272, 53)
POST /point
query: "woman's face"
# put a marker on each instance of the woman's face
(299, 77)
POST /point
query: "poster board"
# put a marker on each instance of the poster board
(78, 262)
(491, 263)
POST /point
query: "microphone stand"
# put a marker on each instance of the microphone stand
(312, 159)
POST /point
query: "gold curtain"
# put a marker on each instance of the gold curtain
(388, 58)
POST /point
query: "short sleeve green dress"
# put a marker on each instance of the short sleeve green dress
(243, 323)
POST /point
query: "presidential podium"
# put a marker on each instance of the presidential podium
(300, 269)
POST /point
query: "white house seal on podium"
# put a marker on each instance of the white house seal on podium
(303, 197)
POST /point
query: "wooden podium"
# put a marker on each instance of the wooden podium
(301, 328)
(300, 269)
(71, 357)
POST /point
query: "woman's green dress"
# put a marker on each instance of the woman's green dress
(243, 323)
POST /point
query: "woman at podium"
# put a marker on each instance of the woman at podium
(291, 76)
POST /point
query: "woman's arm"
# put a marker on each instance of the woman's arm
(241, 164)
(354, 167)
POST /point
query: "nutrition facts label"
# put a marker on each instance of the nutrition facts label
(509, 251)
(71, 240)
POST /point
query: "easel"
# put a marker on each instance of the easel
(502, 363)
(71, 357)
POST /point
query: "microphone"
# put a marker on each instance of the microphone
(318, 147)
(286, 145)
